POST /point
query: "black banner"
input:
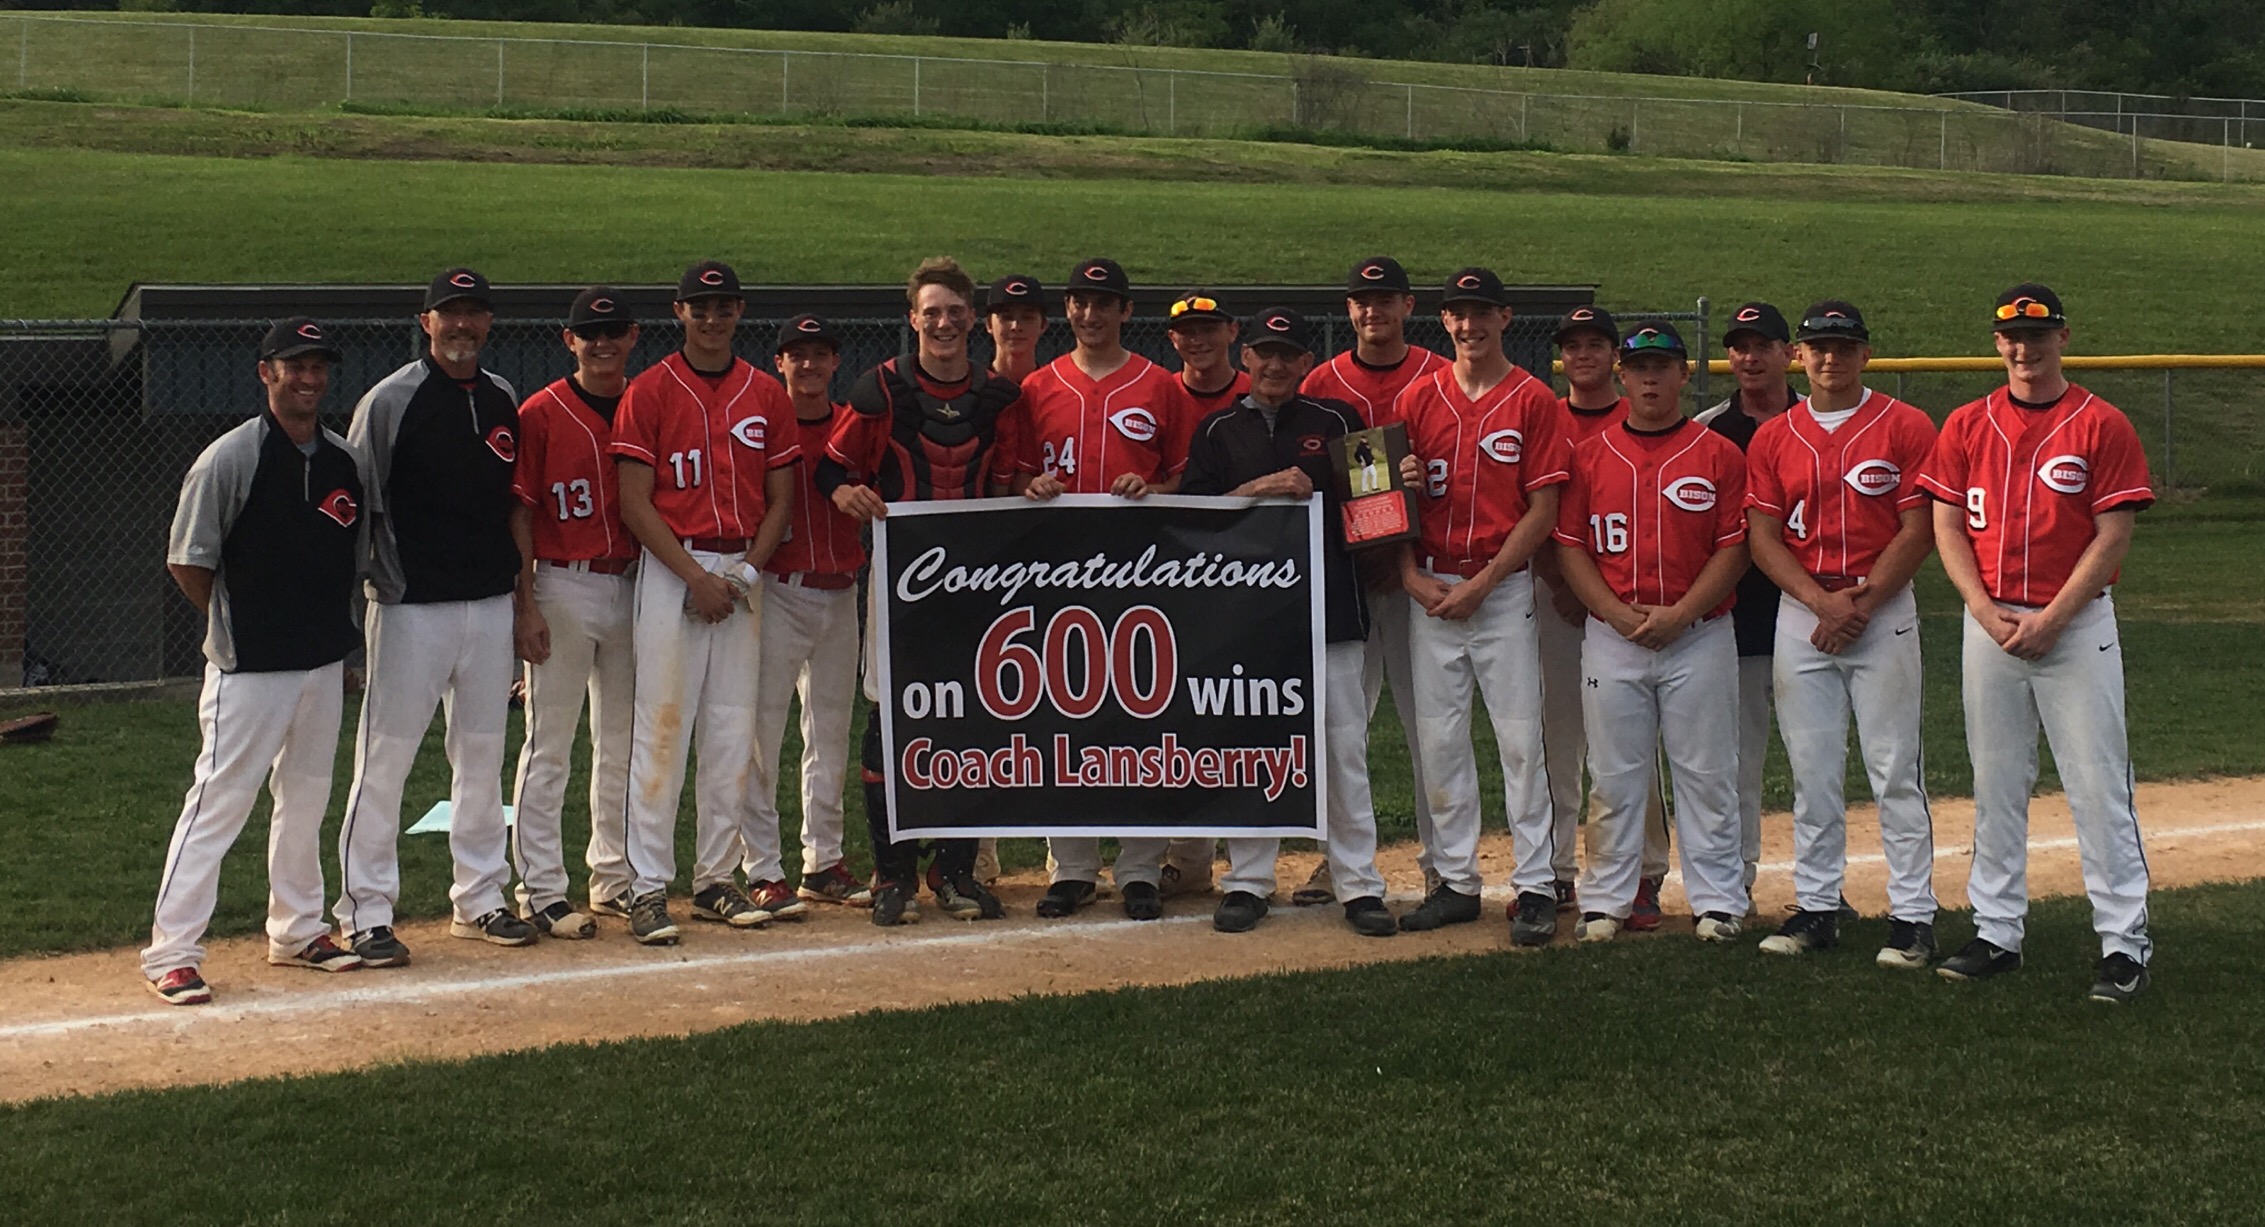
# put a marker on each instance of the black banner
(1101, 666)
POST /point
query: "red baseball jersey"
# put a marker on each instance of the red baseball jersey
(563, 474)
(1840, 493)
(1481, 459)
(2032, 482)
(710, 446)
(1370, 390)
(820, 539)
(1588, 423)
(1091, 432)
(1652, 509)
(1203, 404)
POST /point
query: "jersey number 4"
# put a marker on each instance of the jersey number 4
(1608, 534)
(573, 499)
(686, 464)
(1799, 520)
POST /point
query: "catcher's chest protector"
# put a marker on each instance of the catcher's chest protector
(941, 448)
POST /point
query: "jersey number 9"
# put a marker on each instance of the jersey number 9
(1976, 517)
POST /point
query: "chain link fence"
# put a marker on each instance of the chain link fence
(99, 420)
(273, 67)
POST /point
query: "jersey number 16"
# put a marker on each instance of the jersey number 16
(1608, 534)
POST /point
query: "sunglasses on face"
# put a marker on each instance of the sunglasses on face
(2027, 308)
(1198, 303)
(610, 331)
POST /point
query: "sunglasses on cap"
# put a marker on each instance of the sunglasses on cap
(611, 330)
(1639, 342)
(2026, 308)
(1197, 303)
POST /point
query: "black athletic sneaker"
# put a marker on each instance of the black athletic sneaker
(497, 928)
(961, 897)
(1442, 907)
(1239, 912)
(895, 903)
(2122, 978)
(1979, 960)
(380, 948)
(1910, 945)
(616, 906)
(1142, 901)
(1533, 921)
(649, 920)
(726, 903)
(1806, 931)
(1370, 918)
(1065, 897)
(1847, 912)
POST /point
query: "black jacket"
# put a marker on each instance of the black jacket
(1234, 445)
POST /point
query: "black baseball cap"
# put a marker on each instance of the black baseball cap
(1015, 291)
(2018, 309)
(1378, 273)
(1653, 338)
(1104, 275)
(599, 304)
(458, 283)
(805, 327)
(1833, 319)
(295, 336)
(1281, 327)
(1474, 284)
(1758, 317)
(709, 279)
(1587, 319)
(1197, 305)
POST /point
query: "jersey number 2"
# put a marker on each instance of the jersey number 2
(573, 499)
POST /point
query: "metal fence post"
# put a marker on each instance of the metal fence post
(2170, 470)
(1045, 91)
(1633, 105)
(1172, 103)
(1942, 157)
(1411, 112)
(192, 65)
(1699, 331)
(786, 61)
(499, 72)
(1525, 113)
(1738, 142)
(2226, 148)
(349, 66)
(645, 79)
(916, 87)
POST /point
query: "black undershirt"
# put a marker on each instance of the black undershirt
(2035, 406)
(1654, 434)
(603, 406)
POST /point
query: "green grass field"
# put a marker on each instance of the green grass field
(1653, 1081)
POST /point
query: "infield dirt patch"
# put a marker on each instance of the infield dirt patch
(82, 1024)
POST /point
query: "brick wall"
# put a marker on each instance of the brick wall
(15, 476)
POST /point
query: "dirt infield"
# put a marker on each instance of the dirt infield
(81, 1024)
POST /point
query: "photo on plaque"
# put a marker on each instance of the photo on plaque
(1365, 467)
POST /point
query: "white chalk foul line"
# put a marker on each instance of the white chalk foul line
(400, 990)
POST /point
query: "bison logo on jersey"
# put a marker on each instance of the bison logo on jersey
(1136, 424)
(750, 431)
(340, 506)
(502, 444)
(1507, 446)
(1691, 493)
(1874, 477)
(2067, 474)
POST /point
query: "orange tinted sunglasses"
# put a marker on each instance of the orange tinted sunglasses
(2028, 308)
(1198, 303)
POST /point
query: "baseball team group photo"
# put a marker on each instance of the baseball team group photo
(1112, 674)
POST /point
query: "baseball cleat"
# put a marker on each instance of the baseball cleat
(649, 920)
(1175, 880)
(616, 906)
(321, 954)
(2121, 979)
(1643, 916)
(725, 903)
(1847, 911)
(1442, 907)
(1239, 912)
(894, 903)
(961, 897)
(1806, 931)
(1718, 927)
(1596, 927)
(775, 901)
(1910, 945)
(1319, 888)
(379, 947)
(836, 884)
(497, 928)
(1065, 897)
(1533, 919)
(987, 861)
(561, 921)
(181, 986)
(1431, 881)
(1142, 901)
(1568, 898)
(1370, 918)
(1979, 960)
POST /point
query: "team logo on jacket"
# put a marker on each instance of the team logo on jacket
(502, 444)
(340, 506)
(751, 431)
(1312, 445)
(1507, 446)
(1136, 424)
(1874, 477)
(2067, 474)
(1691, 493)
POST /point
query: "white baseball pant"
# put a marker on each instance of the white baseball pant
(1877, 679)
(1351, 846)
(283, 726)
(1756, 684)
(809, 650)
(693, 678)
(1565, 745)
(457, 656)
(588, 616)
(2077, 692)
(1078, 859)
(1385, 661)
(1496, 652)
(1684, 697)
